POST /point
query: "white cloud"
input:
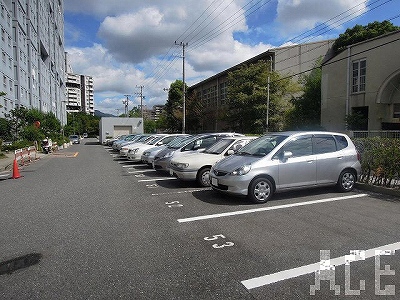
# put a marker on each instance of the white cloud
(136, 40)
(297, 16)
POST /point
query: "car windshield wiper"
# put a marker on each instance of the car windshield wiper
(259, 154)
(244, 153)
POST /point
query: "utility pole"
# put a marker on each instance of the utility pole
(184, 88)
(267, 121)
(268, 88)
(126, 102)
(141, 99)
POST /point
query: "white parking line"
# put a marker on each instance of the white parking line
(157, 179)
(134, 165)
(249, 211)
(181, 192)
(141, 171)
(307, 269)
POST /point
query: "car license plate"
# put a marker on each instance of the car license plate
(171, 172)
(214, 181)
(153, 164)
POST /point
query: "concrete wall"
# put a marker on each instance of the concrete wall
(113, 126)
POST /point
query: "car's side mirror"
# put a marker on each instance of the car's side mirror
(229, 152)
(286, 155)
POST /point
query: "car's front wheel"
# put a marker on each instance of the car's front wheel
(260, 190)
(203, 177)
(347, 180)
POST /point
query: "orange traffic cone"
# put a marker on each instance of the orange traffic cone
(16, 174)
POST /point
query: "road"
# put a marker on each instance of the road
(98, 227)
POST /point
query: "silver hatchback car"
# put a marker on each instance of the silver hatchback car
(288, 160)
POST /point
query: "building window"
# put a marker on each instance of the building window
(222, 91)
(396, 110)
(359, 72)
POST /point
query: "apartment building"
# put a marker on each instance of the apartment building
(79, 93)
(32, 50)
(288, 61)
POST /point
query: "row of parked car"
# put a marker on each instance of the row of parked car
(251, 166)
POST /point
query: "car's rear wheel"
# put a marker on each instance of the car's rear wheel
(260, 190)
(347, 180)
(203, 177)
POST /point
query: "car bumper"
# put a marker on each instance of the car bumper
(186, 175)
(236, 185)
(133, 157)
(161, 164)
(146, 159)
(123, 153)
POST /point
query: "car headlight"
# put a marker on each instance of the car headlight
(242, 170)
(169, 154)
(181, 165)
(146, 154)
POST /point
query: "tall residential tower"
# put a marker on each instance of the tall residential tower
(33, 57)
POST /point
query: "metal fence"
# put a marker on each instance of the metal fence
(375, 133)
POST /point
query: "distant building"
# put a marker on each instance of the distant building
(32, 56)
(363, 80)
(154, 113)
(112, 127)
(288, 61)
(79, 93)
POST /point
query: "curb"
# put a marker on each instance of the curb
(378, 189)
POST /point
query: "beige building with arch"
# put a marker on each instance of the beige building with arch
(363, 79)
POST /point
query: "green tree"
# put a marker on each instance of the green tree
(194, 113)
(51, 124)
(17, 120)
(306, 111)
(150, 126)
(174, 107)
(21, 123)
(247, 101)
(80, 122)
(5, 130)
(135, 112)
(31, 133)
(361, 33)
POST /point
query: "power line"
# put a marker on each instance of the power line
(338, 60)
(164, 67)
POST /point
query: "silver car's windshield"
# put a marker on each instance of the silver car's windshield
(262, 146)
(177, 140)
(182, 143)
(219, 146)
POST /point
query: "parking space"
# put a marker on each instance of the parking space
(317, 244)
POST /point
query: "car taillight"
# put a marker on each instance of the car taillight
(358, 156)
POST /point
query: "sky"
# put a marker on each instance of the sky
(133, 45)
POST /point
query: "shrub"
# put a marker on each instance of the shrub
(380, 162)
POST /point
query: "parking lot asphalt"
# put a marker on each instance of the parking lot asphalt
(115, 229)
(310, 229)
